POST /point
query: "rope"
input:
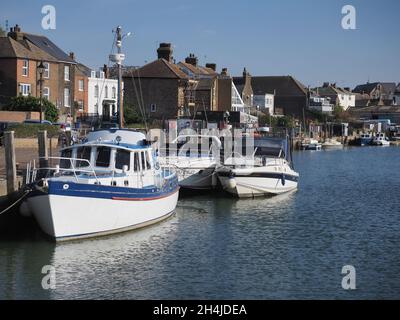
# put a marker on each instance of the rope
(12, 205)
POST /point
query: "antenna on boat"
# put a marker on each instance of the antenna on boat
(118, 58)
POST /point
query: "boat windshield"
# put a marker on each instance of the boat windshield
(103, 157)
(275, 147)
(122, 158)
(83, 153)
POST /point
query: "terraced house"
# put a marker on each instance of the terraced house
(20, 55)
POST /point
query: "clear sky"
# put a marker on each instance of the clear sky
(303, 38)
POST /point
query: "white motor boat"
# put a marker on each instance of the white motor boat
(268, 173)
(195, 171)
(380, 140)
(332, 144)
(108, 184)
(311, 144)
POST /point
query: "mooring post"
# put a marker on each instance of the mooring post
(43, 149)
(11, 167)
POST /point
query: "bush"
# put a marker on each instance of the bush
(132, 115)
(30, 130)
(30, 103)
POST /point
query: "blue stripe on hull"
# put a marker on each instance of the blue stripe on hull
(72, 189)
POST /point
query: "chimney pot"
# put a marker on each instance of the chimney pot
(72, 55)
(212, 66)
(165, 51)
(192, 59)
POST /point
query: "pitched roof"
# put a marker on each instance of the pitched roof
(388, 87)
(160, 68)
(10, 48)
(281, 85)
(84, 69)
(48, 46)
(197, 70)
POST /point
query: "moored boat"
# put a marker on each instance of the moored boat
(108, 184)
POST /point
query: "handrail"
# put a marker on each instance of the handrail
(71, 169)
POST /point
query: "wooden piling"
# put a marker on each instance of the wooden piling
(11, 167)
(43, 148)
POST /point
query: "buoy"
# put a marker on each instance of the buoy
(232, 183)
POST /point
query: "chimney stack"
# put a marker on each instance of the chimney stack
(72, 55)
(106, 71)
(165, 51)
(192, 59)
(15, 33)
(224, 72)
(212, 66)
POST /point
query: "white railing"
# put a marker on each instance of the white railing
(31, 171)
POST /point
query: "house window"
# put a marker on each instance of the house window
(153, 107)
(81, 85)
(96, 108)
(80, 105)
(46, 73)
(66, 98)
(46, 93)
(114, 93)
(106, 92)
(66, 73)
(25, 89)
(96, 91)
(25, 68)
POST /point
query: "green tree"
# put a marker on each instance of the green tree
(30, 103)
(131, 114)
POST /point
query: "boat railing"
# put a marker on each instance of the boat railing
(32, 172)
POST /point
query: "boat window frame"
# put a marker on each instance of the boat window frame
(117, 150)
(83, 164)
(109, 158)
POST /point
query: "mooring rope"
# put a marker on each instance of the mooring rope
(12, 205)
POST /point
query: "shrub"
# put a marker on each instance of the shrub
(30, 130)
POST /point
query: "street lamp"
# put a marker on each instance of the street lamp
(41, 68)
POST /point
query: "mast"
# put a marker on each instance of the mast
(118, 58)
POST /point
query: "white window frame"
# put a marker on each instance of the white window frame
(46, 73)
(25, 89)
(114, 93)
(106, 92)
(25, 68)
(47, 96)
(96, 91)
(67, 102)
(66, 73)
(80, 105)
(153, 107)
(81, 88)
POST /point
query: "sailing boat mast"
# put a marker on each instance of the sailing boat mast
(118, 58)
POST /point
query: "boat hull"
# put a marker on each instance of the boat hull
(67, 217)
(197, 179)
(257, 184)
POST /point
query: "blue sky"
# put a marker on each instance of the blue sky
(303, 38)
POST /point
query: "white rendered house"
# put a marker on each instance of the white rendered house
(102, 94)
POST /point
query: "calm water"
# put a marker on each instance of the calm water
(346, 211)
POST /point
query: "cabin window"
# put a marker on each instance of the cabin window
(83, 153)
(103, 157)
(136, 161)
(65, 163)
(122, 158)
(148, 162)
(143, 161)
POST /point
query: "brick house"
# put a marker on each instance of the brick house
(290, 96)
(20, 54)
(165, 90)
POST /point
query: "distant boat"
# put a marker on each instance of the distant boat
(311, 144)
(365, 139)
(332, 144)
(381, 140)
